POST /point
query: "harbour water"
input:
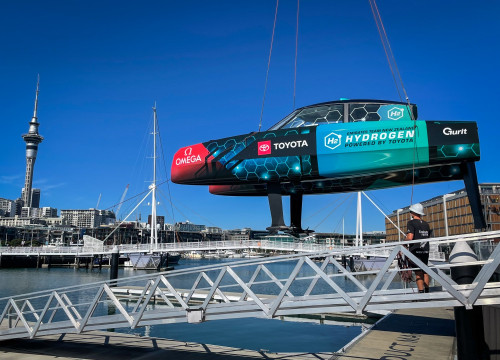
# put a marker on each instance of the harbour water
(250, 333)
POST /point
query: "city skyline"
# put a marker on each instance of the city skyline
(205, 68)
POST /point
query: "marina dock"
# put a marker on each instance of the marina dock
(111, 346)
(406, 334)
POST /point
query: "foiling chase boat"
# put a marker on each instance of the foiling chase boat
(337, 146)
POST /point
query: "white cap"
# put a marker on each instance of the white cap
(417, 209)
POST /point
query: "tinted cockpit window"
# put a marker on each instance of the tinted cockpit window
(364, 112)
(313, 116)
(381, 111)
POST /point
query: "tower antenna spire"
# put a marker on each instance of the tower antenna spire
(32, 139)
(35, 118)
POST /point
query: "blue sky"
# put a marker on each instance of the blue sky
(103, 64)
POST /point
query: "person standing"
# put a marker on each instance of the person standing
(419, 229)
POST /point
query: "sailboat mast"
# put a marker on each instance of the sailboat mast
(359, 222)
(154, 230)
(343, 238)
(360, 215)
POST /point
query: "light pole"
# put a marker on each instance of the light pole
(445, 196)
(399, 227)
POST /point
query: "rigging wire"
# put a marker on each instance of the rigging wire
(378, 20)
(392, 54)
(380, 203)
(268, 64)
(133, 197)
(395, 71)
(323, 208)
(198, 214)
(162, 203)
(166, 174)
(331, 212)
(348, 207)
(296, 50)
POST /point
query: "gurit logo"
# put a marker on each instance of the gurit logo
(264, 147)
(449, 131)
(395, 113)
(333, 140)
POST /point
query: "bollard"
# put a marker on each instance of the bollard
(351, 264)
(113, 271)
(158, 268)
(469, 326)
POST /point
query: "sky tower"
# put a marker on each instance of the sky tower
(32, 139)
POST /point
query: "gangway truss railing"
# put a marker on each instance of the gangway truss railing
(306, 283)
(185, 247)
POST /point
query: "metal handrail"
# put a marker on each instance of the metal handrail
(239, 245)
(81, 307)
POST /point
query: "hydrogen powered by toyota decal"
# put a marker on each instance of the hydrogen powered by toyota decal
(337, 146)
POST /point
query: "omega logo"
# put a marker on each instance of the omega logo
(188, 158)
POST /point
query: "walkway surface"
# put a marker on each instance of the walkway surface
(98, 345)
(404, 335)
(410, 334)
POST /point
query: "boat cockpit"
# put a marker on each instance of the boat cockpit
(345, 111)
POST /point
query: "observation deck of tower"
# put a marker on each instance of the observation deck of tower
(32, 139)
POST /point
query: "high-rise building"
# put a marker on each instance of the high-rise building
(450, 214)
(90, 218)
(8, 207)
(188, 226)
(32, 139)
(35, 197)
(30, 212)
(19, 205)
(160, 220)
(48, 212)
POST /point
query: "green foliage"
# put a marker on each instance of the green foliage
(16, 242)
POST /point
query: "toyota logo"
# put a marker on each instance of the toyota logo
(264, 147)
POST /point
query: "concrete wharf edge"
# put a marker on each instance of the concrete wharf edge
(406, 334)
(97, 345)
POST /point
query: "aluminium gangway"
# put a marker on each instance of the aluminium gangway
(317, 284)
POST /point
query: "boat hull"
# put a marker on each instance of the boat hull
(337, 157)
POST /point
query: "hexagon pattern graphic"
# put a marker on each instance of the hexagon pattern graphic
(364, 112)
(261, 169)
(458, 151)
